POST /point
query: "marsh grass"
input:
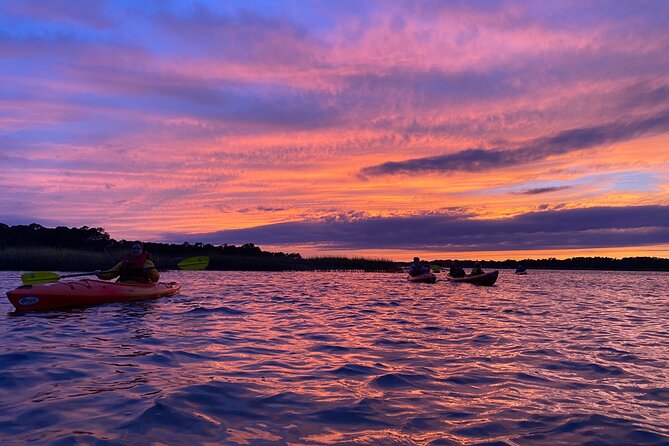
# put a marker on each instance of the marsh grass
(269, 263)
(54, 259)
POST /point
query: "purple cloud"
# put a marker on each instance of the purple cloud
(555, 229)
(476, 160)
(543, 190)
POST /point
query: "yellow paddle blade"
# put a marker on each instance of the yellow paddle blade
(193, 263)
(37, 277)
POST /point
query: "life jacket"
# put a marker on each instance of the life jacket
(457, 271)
(132, 268)
(417, 270)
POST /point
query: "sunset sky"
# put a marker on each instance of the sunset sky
(446, 129)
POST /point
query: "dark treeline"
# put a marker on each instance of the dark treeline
(97, 239)
(35, 247)
(594, 263)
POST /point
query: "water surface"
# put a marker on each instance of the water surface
(251, 358)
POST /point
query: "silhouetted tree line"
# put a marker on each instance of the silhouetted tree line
(594, 263)
(34, 235)
(31, 247)
(97, 239)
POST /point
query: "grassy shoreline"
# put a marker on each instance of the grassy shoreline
(67, 260)
(54, 259)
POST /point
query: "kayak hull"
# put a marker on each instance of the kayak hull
(84, 293)
(487, 279)
(423, 278)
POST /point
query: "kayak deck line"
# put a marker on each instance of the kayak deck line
(71, 284)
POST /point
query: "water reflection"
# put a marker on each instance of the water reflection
(320, 358)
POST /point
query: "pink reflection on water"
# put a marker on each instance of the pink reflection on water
(351, 357)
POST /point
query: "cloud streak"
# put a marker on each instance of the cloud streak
(477, 160)
(543, 190)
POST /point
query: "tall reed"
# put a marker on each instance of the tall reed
(53, 259)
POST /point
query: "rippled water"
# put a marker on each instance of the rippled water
(554, 357)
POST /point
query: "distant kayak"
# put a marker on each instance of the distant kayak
(521, 273)
(85, 292)
(486, 279)
(423, 278)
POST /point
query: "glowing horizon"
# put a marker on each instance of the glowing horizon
(306, 123)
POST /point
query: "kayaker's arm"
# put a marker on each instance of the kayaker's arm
(149, 267)
(111, 273)
(154, 275)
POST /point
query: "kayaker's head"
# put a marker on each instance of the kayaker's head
(477, 264)
(136, 249)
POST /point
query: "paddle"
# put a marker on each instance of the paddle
(38, 277)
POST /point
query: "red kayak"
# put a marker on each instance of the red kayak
(85, 292)
(423, 278)
(487, 279)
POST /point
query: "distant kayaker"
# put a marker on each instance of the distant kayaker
(416, 268)
(136, 267)
(456, 270)
(477, 269)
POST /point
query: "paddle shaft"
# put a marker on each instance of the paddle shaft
(191, 263)
(112, 271)
(146, 268)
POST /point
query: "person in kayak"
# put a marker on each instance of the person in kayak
(136, 267)
(477, 270)
(456, 270)
(416, 268)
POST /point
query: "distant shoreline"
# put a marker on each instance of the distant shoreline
(70, 260)
(36, 248)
